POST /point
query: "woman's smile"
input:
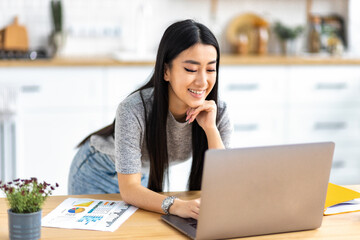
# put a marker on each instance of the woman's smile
(197, 93)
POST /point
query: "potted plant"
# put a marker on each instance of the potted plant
(25, 198)
(57, 36)
(287, 35)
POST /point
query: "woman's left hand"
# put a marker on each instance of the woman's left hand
(205, 115)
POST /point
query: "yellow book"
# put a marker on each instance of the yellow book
(341, 200)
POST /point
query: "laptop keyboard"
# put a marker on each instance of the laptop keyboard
(192, 222)
(194, 225)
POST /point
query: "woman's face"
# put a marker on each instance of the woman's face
(191, 77)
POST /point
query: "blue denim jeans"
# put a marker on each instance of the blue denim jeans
(93, 172)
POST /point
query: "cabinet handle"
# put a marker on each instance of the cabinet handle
(30, 89)
(329, 125)
(245, 127)
(339, 164)
(331, 86)
(243, 87)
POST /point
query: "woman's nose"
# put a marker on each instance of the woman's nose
(201, 78)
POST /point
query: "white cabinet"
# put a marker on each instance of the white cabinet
(49, 88)
(272, 105)
(255, 98)
(331, 86)
(47, 143)
(252, 85)
(325, 106)
(59, 106)
(324, 124)
(257, 126)
(119, 82)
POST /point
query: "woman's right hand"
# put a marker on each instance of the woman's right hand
(186, 208)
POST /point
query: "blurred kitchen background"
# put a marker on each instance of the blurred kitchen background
(290, 73)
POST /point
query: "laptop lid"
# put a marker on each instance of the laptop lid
(263, 190)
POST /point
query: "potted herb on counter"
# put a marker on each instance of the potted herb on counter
(57, 37)
(25, 198)
(287, 36)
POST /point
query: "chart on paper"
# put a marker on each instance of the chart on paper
(90, 214)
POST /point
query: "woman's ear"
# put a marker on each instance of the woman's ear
(166, 72)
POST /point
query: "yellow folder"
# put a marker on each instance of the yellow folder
(337, 194)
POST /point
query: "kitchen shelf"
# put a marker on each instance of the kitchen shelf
(226, 59)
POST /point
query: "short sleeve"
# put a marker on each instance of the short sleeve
(128, 138)
(224, 124)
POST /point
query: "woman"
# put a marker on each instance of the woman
(173, 117)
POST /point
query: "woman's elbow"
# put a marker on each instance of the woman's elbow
(128, 184)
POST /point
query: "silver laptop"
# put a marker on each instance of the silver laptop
(260, 190)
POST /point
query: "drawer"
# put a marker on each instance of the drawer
(335, 85)
(346, 157)
(56, 87)
(318, 124)
(121, 81)
(256, 127)
(345, 176)
(346, 165)
(48, 141)
(252, 85)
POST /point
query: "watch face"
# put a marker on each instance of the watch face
(167, 204)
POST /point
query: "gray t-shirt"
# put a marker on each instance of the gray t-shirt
(128, 149)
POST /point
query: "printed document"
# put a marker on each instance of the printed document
(345, 207)
(90, 214)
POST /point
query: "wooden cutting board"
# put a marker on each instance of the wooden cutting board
(14, 37)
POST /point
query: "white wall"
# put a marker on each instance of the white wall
(100, 26)
(354, 26)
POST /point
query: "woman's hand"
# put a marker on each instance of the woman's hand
(186, 208)
(205, 115)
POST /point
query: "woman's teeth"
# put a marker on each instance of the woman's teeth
(196, 92)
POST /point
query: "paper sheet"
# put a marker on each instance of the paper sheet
(345, 207)
(90, 214)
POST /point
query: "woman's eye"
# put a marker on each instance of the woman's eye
(189, 70)
(211, 70)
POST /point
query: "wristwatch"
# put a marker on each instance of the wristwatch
(167, 203)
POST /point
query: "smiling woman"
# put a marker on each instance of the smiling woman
(172, 117)
(191, 76)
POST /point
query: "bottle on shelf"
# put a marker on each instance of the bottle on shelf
(314, 38)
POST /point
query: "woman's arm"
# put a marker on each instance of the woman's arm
(205, 115)
(214, 138)
(134, 193)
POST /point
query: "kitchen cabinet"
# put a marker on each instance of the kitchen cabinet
(324, 106)
(279, 104)
(119, 82)
(297, 104)
(255, 97)
(56, 108)
(47, 143)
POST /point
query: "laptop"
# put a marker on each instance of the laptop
(260, 190)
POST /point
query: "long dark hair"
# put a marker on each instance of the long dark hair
(178, 37)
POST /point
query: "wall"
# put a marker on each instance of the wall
(97, 27)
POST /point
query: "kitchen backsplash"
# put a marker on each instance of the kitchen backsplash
(98, 27)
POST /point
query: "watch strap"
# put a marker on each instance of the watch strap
(167, 203)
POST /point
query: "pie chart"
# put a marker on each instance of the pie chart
(76, 210)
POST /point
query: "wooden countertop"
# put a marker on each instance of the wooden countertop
(226, 59)
(148, 225)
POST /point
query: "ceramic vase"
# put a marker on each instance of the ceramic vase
(288, 47)
(57, 41)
